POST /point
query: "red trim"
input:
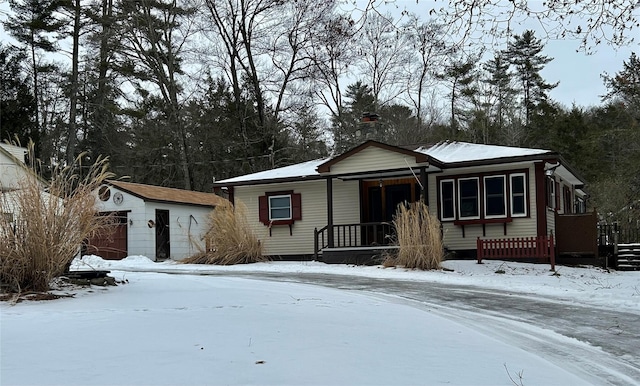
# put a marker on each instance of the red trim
(541, 195)
(296, 208)
(506, 173)
(484, 221)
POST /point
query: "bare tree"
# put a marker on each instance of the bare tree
(428, 52)
(333, 55)
(267, 47)
(383, 51)
(591, 21)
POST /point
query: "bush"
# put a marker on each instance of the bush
(229, 239)
(418, 238)
(45, 223)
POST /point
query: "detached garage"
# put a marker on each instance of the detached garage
(160, 223)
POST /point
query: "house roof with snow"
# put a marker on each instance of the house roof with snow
(446, 154)
(170, 195)
(13, 167)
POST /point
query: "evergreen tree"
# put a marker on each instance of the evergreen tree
(17, 103)
(34, 24)
(625, 85)
(524, 53)
(460, 76)
(501, 91)
(348, 132)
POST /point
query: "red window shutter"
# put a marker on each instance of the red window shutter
(296, 206)
(263, 209)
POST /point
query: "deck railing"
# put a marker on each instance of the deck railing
(541, 247)
(612, 233)
(354, 235)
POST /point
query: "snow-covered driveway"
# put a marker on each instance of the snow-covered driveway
(591, 339)
(353, 325)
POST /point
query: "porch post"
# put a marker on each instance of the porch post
(541, 198)
(330, 212)
(423, 181)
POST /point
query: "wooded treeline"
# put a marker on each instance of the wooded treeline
(179, 92)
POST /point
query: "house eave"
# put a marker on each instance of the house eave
(223, 184)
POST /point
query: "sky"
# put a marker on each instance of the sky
(191, 328)
(578, 74)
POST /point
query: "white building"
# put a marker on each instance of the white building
(153, 221)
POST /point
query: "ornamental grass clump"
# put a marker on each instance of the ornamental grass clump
(44, 224)
(418, 238)
(229, 239)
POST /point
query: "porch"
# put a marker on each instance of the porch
(575, 242)
(359, 243)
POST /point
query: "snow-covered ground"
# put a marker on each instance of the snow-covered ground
(209, 327)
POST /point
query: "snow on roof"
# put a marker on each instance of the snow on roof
(446, 152)
(453, 152)
(303, 169)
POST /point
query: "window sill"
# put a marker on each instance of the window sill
(484, 221)
(280, 222)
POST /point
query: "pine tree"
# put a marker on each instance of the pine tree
(524, 53)
(17, 103)
(35, 25)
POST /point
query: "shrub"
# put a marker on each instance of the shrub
(418, 238)
(45, 223)
(229, 239)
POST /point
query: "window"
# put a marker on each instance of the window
(551, 193)
(518, 195)
(498, 196)
(468, 198)
(495, 197)
(280, 207)
(447, 200)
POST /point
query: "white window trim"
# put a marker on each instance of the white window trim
(552, 193)
(504, 196)
(511, 195)
(290, 207)
(453, 186)
(477, 179)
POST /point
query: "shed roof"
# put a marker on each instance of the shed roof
(172, 195)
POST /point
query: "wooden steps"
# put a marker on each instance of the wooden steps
(628, 258)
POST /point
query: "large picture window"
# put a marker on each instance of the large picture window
(495, 197)
(468, 198)
(490, 197)
(518, 195)
(280, 208)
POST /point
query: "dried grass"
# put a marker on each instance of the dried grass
(229, 239)
(44, 225)
(418, 238)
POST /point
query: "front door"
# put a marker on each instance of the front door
(163, 245)
(380, 203)
(394, 196)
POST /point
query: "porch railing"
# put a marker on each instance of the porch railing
(541, 247)
(610, 234)
(368, 234)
